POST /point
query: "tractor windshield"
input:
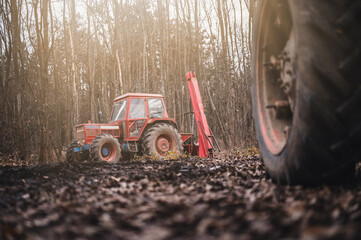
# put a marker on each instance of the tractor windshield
(119, 111)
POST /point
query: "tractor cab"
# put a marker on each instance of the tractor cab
(134, 111)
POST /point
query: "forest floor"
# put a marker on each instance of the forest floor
(225, 198)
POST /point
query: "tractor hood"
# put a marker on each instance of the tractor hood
(85, 133)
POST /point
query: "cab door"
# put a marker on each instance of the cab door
(137, 117)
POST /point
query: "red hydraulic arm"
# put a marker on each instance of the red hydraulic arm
(205, 141)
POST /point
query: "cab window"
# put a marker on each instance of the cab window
(156, 109)
(119, 111)
(137, 108)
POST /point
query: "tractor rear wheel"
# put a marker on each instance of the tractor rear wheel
(105, 147)
(162, 141)
(70, 155)
(307, 91)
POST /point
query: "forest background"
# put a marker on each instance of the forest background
(62, 60)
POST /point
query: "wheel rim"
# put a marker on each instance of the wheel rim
(275, 74)
(164, 143)
(108, 151)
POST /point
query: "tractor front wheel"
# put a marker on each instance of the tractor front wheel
(105, 147)
(70, 155)
(162, 141)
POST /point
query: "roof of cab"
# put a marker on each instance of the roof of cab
(137, 95)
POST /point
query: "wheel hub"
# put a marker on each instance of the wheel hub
(105, 151)
(287, 75)
(108, 151)
(276, 77)
(163, 144)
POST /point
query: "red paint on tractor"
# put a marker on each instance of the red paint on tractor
(164, 144)
(85, 133)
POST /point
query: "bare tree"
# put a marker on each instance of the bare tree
(57, 70)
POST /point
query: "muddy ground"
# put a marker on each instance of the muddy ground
(228, 198)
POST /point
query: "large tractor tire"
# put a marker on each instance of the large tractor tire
(306, 91)
(162, 141)
(70, 155)
(105, 147)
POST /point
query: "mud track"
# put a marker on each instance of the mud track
(228, 198)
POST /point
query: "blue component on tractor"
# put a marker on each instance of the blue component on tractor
(78, 149)
(125, 147)
(91, 127)
(83, 148)
(105, 151)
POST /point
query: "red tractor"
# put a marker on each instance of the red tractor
(140, 124)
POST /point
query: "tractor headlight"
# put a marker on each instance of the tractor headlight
(136, 128)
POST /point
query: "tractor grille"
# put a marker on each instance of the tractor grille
(92, 132)
(79, 134)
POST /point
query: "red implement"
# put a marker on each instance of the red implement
(205, 141)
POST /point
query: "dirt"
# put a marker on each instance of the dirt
(228, 198)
